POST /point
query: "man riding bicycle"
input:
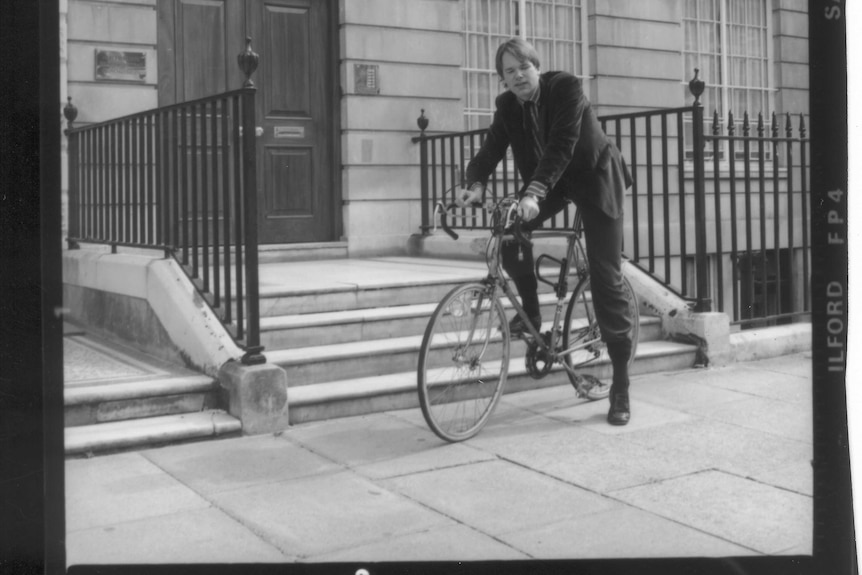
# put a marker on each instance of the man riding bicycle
(562, 153)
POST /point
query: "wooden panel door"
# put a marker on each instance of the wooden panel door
(198, 41)
(296, 168)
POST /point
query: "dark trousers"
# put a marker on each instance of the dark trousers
(604, 242)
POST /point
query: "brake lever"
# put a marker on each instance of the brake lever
(444, 222)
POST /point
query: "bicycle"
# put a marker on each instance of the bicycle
(464, 358)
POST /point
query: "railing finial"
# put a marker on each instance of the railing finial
(696, 86)
(802, 126)
(70, 112)
(422, 122)
(248, 60)
(731, 128)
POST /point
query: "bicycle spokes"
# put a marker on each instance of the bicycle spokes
(463, 362)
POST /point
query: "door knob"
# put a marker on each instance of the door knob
(258, 131)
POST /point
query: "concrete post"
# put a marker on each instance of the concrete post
(256, 395)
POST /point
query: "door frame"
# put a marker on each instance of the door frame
(167, 89)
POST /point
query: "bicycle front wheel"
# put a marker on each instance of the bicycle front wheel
(463, 362)
(582, 336)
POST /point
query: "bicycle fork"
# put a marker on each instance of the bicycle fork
(460, 356)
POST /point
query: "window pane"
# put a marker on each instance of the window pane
(747, 79)
(553, 26)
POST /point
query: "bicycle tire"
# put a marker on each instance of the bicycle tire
(463, 364)
(581, 328)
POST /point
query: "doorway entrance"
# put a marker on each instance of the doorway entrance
(297, 111)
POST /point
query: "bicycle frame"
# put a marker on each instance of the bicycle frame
(506, 228)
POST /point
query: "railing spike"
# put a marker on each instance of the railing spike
(774, 126)
(716, 123)
(70, 112)
(731, 128)
(422, 121)
(760, 126)
(248, 60)
(746, 125)
(801, 125)
(788, 127)
(696, 86)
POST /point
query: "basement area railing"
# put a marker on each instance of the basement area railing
(181, 179)
(720, 217)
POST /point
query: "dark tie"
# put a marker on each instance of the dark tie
(531, 128)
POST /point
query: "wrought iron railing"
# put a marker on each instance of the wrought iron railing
(683, 210)
(766, 221)
(181, 179)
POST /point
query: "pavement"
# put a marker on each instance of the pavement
(716, 462)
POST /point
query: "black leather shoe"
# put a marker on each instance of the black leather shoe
(619, 413)
(517, 327)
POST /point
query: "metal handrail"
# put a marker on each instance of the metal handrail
(666, 182)
(180, 178)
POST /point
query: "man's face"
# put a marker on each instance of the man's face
(522, 78)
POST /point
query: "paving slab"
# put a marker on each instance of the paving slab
(685, 394)
(594, 461)
(448, 543)
(750, 380)
(544, 399)
(797, 476)
(725, 446)
(218, 466)
(736, 509)
(593, 415)
(199, 536)
(797, 364)
(498, 497)
(114, 489)
(313, 515)
(387, 446)
(510, 425)
(623, 532)
(508, 420)
(778, 417)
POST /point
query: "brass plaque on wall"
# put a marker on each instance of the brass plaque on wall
(113, 65)
(366, 78)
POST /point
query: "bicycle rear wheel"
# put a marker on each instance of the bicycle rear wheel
(582, 334)
(463, 362)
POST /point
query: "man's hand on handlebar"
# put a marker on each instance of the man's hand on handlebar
(469, 197)
(528, 208)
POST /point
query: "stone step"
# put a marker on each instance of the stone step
(151, 431)
(311, 329)
(106, 402)
(408, 288)
(315, 364)
(276, 253)
(274, 302)
(361, 395)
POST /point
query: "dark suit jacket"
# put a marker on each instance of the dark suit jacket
(579, 161)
